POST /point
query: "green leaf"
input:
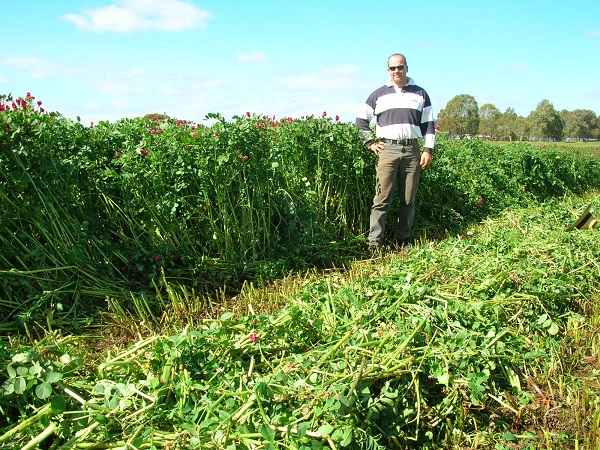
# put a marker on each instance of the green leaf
(444, 378)
(267, 433)
(302, 429)
(22, 357)
(20, 385)
(508, 436)
(325, 429)
(227, 316)
(53, 377)
(542, 319)
(8, 387)
(58, 404)
(553, 329)
(36, 369)
(222, 158)
(347, 437)
(43, 390)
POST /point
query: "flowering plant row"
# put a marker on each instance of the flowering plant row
(102, 210)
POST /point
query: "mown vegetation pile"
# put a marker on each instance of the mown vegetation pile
(477, 337)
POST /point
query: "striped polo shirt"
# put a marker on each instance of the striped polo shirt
(401, 113)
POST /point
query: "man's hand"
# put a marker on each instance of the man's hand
(376, 147)
(425, 160)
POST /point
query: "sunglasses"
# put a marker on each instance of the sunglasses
(393, 68)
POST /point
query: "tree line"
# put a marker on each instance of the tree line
(463, 117)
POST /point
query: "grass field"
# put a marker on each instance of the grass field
(592, 147)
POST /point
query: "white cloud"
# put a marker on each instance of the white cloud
(36, 67)
(141, 15)
(515, 68)
(114, 85)
(329, 78)
(252, 57)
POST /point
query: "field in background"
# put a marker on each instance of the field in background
(589, 147)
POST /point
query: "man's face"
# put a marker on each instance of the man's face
(398, 75)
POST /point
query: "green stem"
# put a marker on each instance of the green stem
(50, 429)
(334, 349)
(46, 409)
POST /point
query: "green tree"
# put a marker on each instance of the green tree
(579, 124)
(596, 130)
(522, 128)
(507, 125)
(460, 117)
(545, 122)
(489, 119)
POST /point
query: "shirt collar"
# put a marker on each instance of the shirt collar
(410, 82)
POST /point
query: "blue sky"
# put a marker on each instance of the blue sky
(109, 59)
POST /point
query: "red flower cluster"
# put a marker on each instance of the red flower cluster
(20, 103)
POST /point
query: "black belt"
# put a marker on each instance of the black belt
(400, 141)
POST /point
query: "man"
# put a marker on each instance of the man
(403, 114)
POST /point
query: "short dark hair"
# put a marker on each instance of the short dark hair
(398, 54)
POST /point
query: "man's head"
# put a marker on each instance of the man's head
(397, 68)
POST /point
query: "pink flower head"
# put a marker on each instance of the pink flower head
(248, 114)
(337, 118)
(253, 337)
(152, 131)
(245, 159)
(143, 152)
(157, 258)
(39, 103)
(324, 114)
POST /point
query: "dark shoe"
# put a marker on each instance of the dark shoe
(374, 248)
(404, 244)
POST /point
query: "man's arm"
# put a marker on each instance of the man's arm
(363, 122)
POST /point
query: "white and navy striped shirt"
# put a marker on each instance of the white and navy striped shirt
(401, 113)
